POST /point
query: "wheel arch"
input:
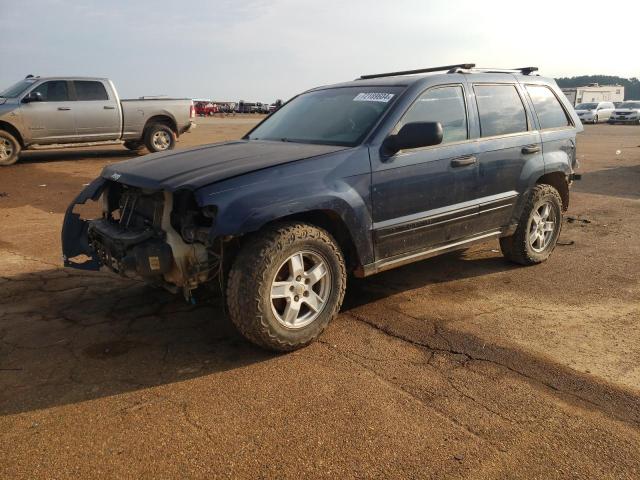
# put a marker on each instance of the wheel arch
(9, 128)
(164, 119)
(557, 180)
(328, 220)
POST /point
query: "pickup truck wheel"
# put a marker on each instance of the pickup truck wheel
(159, 137)
(538, 229)
(9, 149)
(286, 284)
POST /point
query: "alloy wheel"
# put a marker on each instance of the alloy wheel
(300, 289)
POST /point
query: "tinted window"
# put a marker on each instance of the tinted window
(90, 91)
(550, 112)
(334, 116)
(444, 105)
(501, 110)
(54, 91)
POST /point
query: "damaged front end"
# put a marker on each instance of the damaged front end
(158, 236)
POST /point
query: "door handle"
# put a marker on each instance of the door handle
(463, 161)
(528, 149)
(108, 107)
(64, 109)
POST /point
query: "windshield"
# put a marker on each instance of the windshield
(587, 106)
(335, 116)
(18, 88)
(630, 105)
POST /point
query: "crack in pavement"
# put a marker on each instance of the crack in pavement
(627, 417)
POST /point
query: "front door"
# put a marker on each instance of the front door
(426, 197)
(50, 120)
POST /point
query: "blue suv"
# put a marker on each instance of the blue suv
(354, 178)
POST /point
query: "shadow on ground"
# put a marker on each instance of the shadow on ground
(66, 155)
(66, 337)
(623, 182)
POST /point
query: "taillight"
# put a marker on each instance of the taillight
(192, 111)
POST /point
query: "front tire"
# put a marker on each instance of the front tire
(538, 228)
(9, 149)
(159, 138)
(286, 284)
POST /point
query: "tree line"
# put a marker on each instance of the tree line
(631, 85)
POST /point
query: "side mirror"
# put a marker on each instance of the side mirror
(414, 135)
(32, 97)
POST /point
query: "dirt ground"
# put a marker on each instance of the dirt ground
(461, 366)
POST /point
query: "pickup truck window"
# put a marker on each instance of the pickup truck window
(445, 105)
(501, 110)
(550, 112)
(53, 91)
(86, 90)
(335, 116)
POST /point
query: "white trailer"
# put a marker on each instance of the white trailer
(595, 93)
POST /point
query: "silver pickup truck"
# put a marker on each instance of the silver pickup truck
(55, 112)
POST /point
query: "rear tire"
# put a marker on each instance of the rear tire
(286, 284)
(159, 138)
(538, 228)
(9, 149)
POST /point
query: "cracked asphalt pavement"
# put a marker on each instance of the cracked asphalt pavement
(461, 366)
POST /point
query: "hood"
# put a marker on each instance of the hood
(197, 167)
(626, 110)
(581, 112)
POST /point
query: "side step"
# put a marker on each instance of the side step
(72, 145)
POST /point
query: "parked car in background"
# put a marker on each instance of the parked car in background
(205, 109)
(355, 178)
(54, 112)
(594, 112)
(627, 112)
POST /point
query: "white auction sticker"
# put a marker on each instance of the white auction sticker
(373, 97)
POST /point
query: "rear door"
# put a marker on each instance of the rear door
(556, 130)
(510, 147)
(97, 113)
(50, 120)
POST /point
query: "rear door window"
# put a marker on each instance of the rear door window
(550, 112)
(53, 91)
(442, 104)
(87, 90)
(500, 109)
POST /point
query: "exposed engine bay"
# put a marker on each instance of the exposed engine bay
(160, 237)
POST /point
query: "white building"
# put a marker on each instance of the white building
(595, 93)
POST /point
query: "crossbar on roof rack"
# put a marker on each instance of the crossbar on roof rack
(522, 70)
(466, 66)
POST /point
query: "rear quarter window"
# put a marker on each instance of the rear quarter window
(500, 109)
(548, 109)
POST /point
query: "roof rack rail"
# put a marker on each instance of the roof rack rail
(465, 66)
(521, 70)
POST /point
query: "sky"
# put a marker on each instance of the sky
(260, 50)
